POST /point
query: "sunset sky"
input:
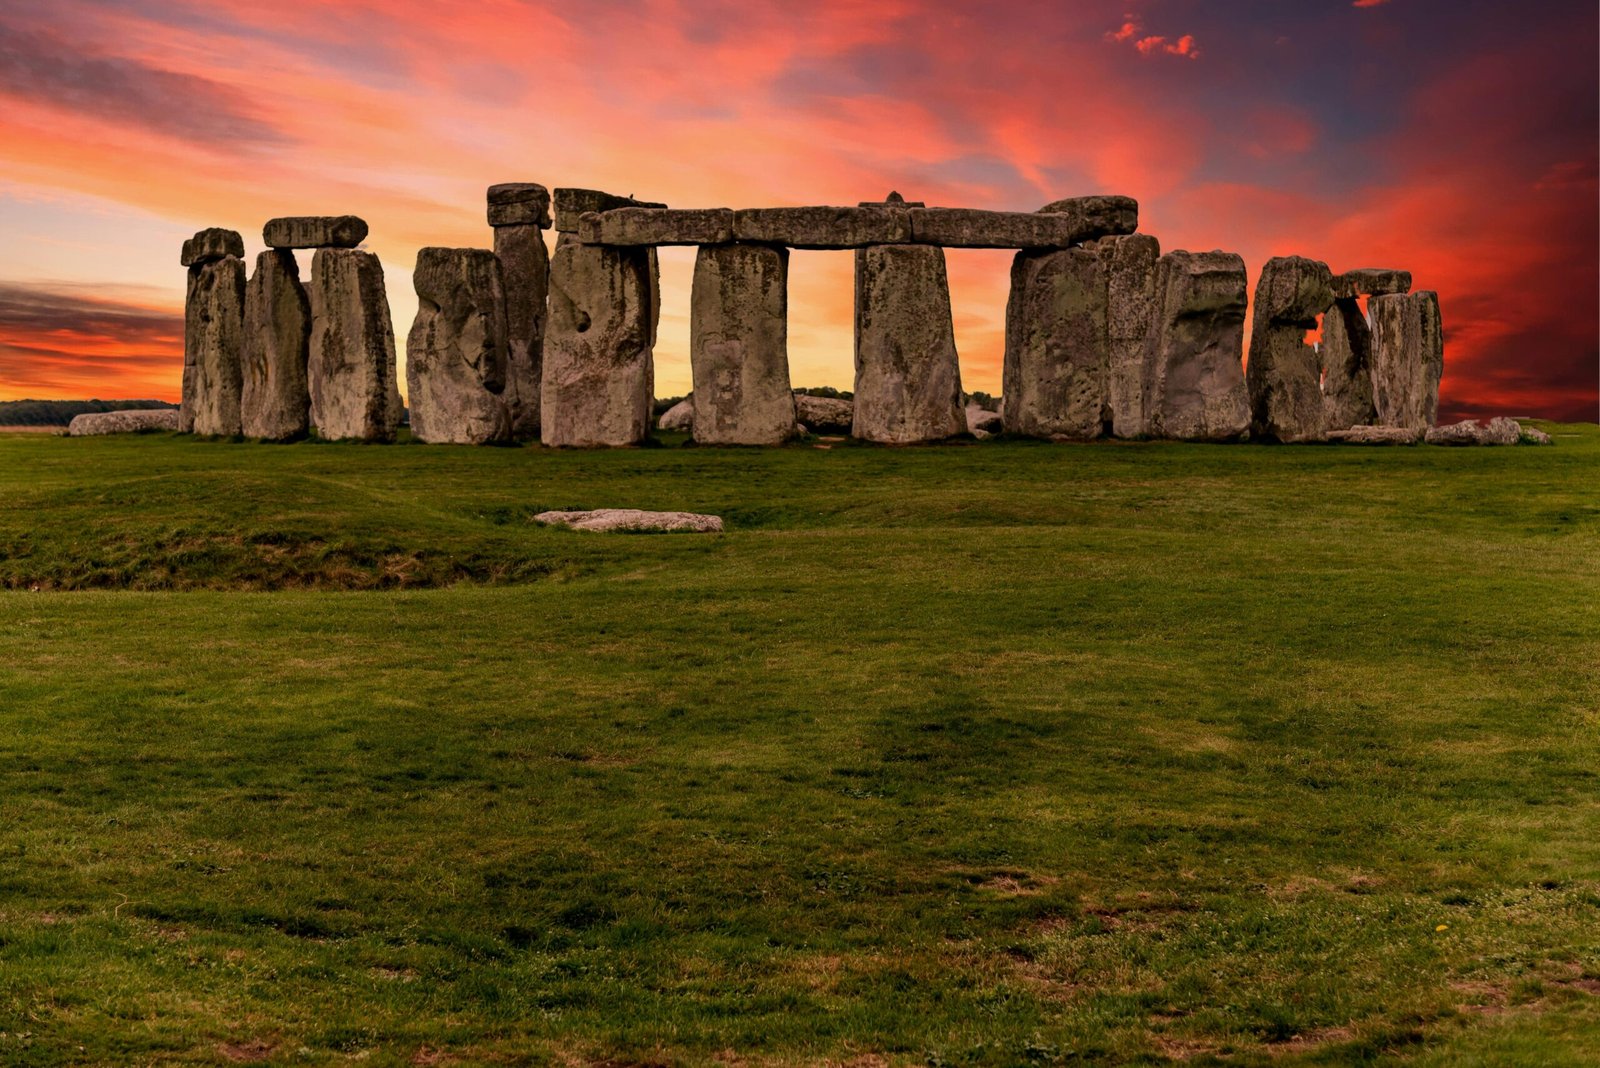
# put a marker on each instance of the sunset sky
(1455, 138)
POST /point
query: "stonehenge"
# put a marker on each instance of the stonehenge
(276, 400)
(739, 345)
(351, 370)
(456, 352)
(519, 213)
(213, 333)
(1105, 335)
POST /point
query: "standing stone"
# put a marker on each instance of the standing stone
(1346, 355)
(526, 270)
(598, 376)
(739, 345)
(1285, 373)
(213, 334)
(1057, 357)
(276, 403)
(1195, 385)
(456, 351)
(908, 379)
(1131, 304)
(351, 372)
(1407, 358)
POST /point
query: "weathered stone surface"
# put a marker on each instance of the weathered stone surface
(739, 345)
(908, 380)
(1498, 431)
(1195, 378)
(823, 227)
(1346, 357)
(276, 402)
(351, 370)
(1532, 435)
(525, 275)
(519, 204)
(598, 372)
(573, 204)
(1407, 358)
(1285, 373)
(893, 200)
(1100, 215)
(632, 519)
(213, 338)
(133, 421)
(824, 415)
(456, 351)
(1370, 282)
(1131, 304)
(1057, 354)
(207, 246)
(314, 231)
(678, 417)
(657, 226)
(982, 421)
(975, 228)
(1375, 435)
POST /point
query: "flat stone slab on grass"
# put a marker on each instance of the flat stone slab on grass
(130, 421)
(632, 519)
(1375, 435)
(1498, 431)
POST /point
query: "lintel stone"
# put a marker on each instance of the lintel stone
(573, 204)
(211, 245)
(1371, 282)
(657, 226)
(519, 204)
(314, 231)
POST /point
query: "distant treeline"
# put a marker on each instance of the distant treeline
(60, 412)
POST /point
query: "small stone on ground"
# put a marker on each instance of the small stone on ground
(632, 519)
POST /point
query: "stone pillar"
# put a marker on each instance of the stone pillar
(1132, 300)
(739, 345)
(1057, 358)
(1407, 358)
(520, 213)
(1285, 373)
(457, 352)
(276, 404)
(1194, 378)
(1346, 355)
(908, 379)
(598, 378)
(351, 371)
(213, 333)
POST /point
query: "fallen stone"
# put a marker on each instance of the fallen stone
(519, 204)
(1532, 435)
(314, 231)
(276, 401)
(678, 417)
(1195, 378)
(1375, 435)
(598, 375)
(1370, 282)
(1285, 373)
(739, 345)
(981, 421)
(571, 205)
(213, 341)
(1346, 357)
(908, 379)
(1130, 265)
(1407, 358)
(133, 421)
(456, 351)
(211, 245)
(657, 226)
(351, 370)
(632, 519)
(1498, 431)
(824, 415)
(976, 228)
(525, 278)
(822, 227)
(1057, 353)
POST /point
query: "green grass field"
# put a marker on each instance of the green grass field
(998, 754)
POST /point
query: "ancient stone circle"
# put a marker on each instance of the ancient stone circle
(1105, 335)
